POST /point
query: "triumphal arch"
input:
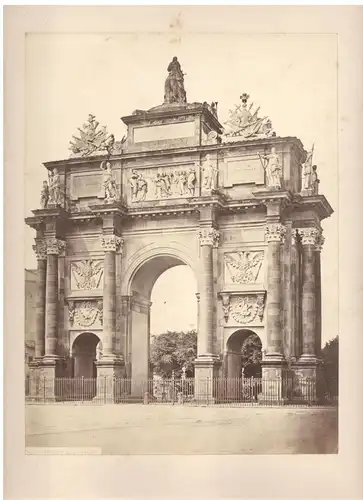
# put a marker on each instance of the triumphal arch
(235, 202)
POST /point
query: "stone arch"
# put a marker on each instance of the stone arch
(174, 250)
(234, 345)
(143, 271)
(84, 354)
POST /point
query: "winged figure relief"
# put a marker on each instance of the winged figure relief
(87, 274)
(244, 268)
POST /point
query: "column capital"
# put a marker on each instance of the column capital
(275, 232)
(112, 243)
(209, 236)
(40, 249)
(55, 246)
(320, 242)
(309, 235)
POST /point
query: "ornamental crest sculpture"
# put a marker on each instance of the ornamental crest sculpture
(245, 123)
(87, 274)
(84, 315)
(243, 267)
(91, 139)
(246, 309)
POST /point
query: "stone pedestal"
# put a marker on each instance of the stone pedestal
(307, 383)
(206, 370)
(273, 374)
(110, 372)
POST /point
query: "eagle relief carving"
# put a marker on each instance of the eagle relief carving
(87, 274)
(243, 267)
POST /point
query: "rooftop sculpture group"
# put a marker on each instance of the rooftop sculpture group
(243, 123)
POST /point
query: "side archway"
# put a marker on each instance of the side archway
(244, 354)
(85, 352)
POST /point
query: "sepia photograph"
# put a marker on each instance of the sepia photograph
(181, 243)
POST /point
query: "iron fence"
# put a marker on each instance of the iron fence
(243, 391)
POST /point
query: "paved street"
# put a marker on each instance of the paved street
(139, 429)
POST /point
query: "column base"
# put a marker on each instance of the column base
(43, 374)
(110, 373)
(273, 372)
(307, 384)
(205, 372)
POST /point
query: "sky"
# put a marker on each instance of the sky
(293, 78)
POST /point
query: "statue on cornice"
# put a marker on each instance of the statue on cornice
(273, 170)
(109, 183)
(54, 187)
(174, 84)
(245, 123)
(44, 195)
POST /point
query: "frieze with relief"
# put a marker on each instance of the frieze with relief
(86, 275)
(163, 183)
(243, 267)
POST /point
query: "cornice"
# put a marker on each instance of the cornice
(223, 146)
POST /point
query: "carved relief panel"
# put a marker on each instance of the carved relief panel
(243, 309)
(87, 275)
(162, 183)
(85, 314)
(243, 267)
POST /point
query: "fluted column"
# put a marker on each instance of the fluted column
(40, 249)
(111, 245)
(208, 238)
(309, 238)
(54, 248)
(274, 235)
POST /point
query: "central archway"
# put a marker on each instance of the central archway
(141, 286)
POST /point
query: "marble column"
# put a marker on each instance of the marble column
(40, 249)
(274, 236)
(206, 363)
(208, 238)
(110, 366)
(318, 248)
(110, 244)
(309, 238)
(54, 248)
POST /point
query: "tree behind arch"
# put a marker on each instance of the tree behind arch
(251, 352)
(171, 351)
